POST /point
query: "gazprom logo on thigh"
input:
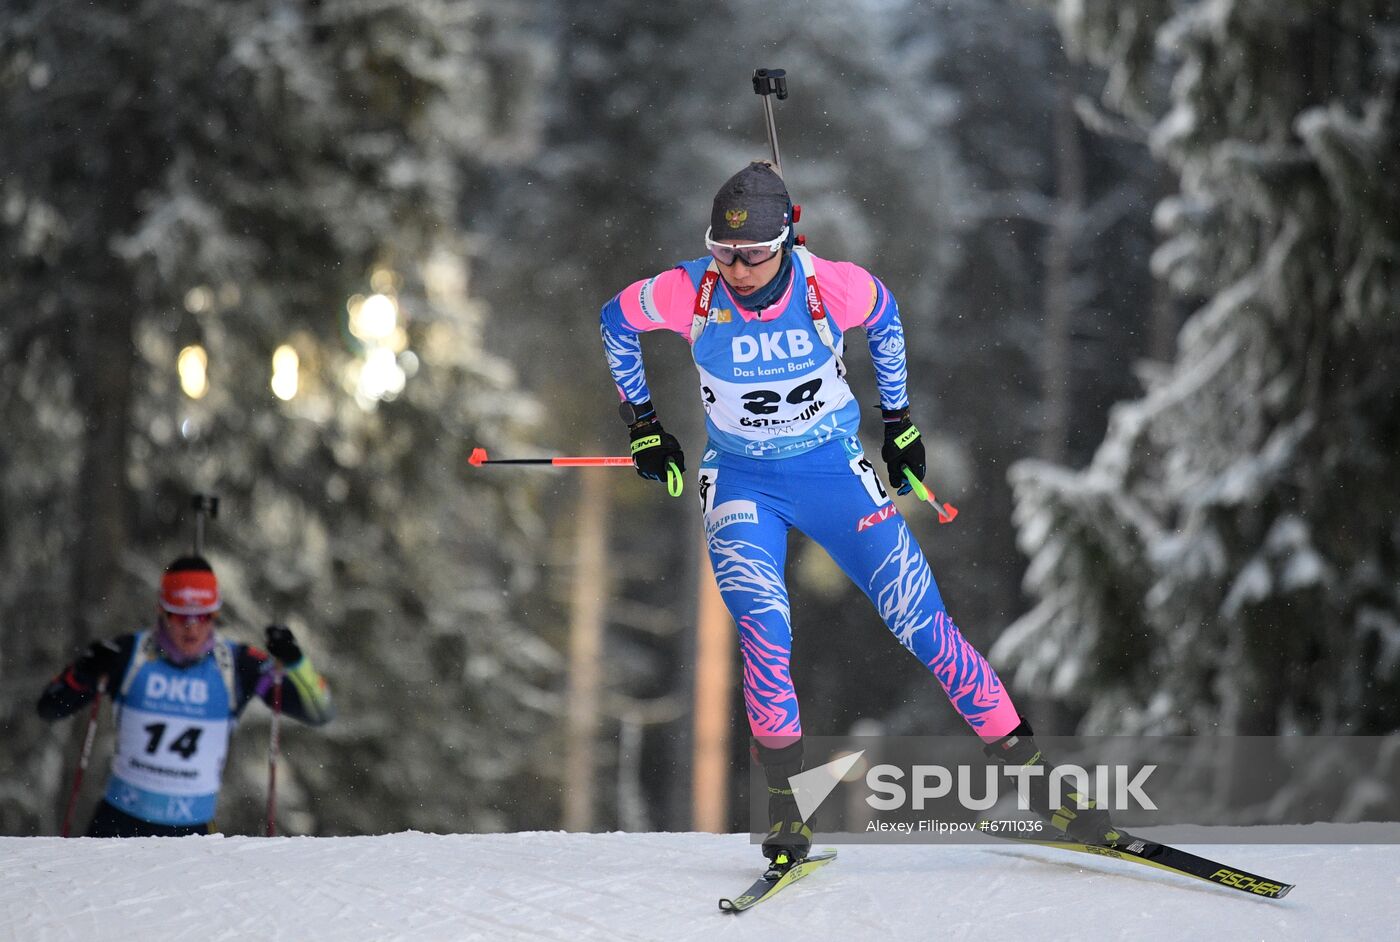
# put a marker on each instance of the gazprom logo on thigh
(731, 511)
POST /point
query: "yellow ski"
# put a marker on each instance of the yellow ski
(773, 881)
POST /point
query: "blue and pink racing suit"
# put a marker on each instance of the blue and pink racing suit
(783, 452)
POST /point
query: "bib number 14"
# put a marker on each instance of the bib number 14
(185, 745)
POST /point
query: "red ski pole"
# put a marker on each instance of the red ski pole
(84, 756)
(946, 511)
(273, 744)
(675, 481)
(479, 458)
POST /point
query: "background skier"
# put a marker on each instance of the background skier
(178, 691)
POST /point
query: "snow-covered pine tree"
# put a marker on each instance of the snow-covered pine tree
(229, 175)
(1227, 560)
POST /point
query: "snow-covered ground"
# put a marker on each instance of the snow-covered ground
(661, 887)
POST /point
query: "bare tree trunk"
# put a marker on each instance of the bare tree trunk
(105, 363)
(587, 607)
(1057, 361)
(1057, 353)
(713, 680)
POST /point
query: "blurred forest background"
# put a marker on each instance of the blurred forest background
(307, 254)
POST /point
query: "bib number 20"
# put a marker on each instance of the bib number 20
(764, 401)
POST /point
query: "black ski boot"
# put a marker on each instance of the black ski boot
(789, 838)
(1087, 825)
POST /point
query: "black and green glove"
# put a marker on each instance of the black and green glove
(903, 448)
(654, 449)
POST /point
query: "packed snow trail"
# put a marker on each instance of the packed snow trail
(541, 885)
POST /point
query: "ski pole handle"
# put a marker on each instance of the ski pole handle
(946, 511)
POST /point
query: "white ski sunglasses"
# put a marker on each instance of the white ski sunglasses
(752, 253)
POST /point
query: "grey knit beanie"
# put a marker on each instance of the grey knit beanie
(753, 205)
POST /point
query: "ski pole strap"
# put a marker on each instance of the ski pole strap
(920, 491)
(675, 480)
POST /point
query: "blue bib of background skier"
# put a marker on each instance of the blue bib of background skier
(172, 739)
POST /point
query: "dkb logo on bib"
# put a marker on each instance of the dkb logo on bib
(769, 346)
(178, 689)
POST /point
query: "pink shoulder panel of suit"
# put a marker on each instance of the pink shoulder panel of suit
(667, 301)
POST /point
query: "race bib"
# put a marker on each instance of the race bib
(168, 754)
(775, 406)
